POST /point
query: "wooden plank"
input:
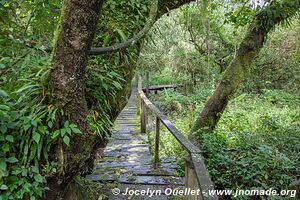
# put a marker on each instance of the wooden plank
(140, 180)
(162, 87)
(166, 169)
(126, 153)
(139, 171)
(143, 118)
(134, 162)
(127, 137)
(156, 148)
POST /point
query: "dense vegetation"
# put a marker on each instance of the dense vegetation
(254, 143)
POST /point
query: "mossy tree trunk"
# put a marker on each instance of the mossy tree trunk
(240, 67)
(67, 84)
(74, 39)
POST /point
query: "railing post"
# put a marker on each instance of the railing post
(147, 84)
(143, 116)
(156, 148)
(136, 80)
(191, 180)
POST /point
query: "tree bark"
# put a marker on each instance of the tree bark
(240, 68)
(67, 82)
(74, 39)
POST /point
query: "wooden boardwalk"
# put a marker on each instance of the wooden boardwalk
(127, 163)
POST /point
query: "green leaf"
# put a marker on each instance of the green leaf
(12, 125)
(106, 40)
(68, 130)
(63, 132)
(9, 138)
(117, 85)
(3, 128)
(24, 172)
(3, 187)
(4, 107)
(12, 160)
(5, 148)
(32, 198)
(66, 124)
(66, 140)
(26, 126)
(36, 137)
(55, 134)
(2, 164)
(34, 123)
(38, 178)
(76, 130)
(26, 87)
(121, 33)
(3, 93)
(35, 169)
(42, 129)
(50, 124)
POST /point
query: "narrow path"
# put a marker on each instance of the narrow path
(127, 163)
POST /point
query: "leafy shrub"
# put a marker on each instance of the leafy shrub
(27, 135)
(102, 84)
(27, 129)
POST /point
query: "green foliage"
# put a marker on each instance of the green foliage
(256, 142)
(241, 16)
(28, 129)
(255, 145)
(102, 87)
(29, 21)
(276, 67)
(122, 19)
(199, 51)
(163, 78)
(267, 158)
(27, 135)
(119, 20)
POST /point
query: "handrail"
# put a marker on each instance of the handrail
(195, 167)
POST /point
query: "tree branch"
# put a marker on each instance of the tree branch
(134, 39)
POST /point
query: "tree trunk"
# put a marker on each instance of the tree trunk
(240, 67)
(74, 39)
(67, 84)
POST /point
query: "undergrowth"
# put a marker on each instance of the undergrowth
(256, 143)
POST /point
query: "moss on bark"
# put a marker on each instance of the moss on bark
(67, 84)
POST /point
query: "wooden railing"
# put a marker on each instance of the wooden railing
(196, 174)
